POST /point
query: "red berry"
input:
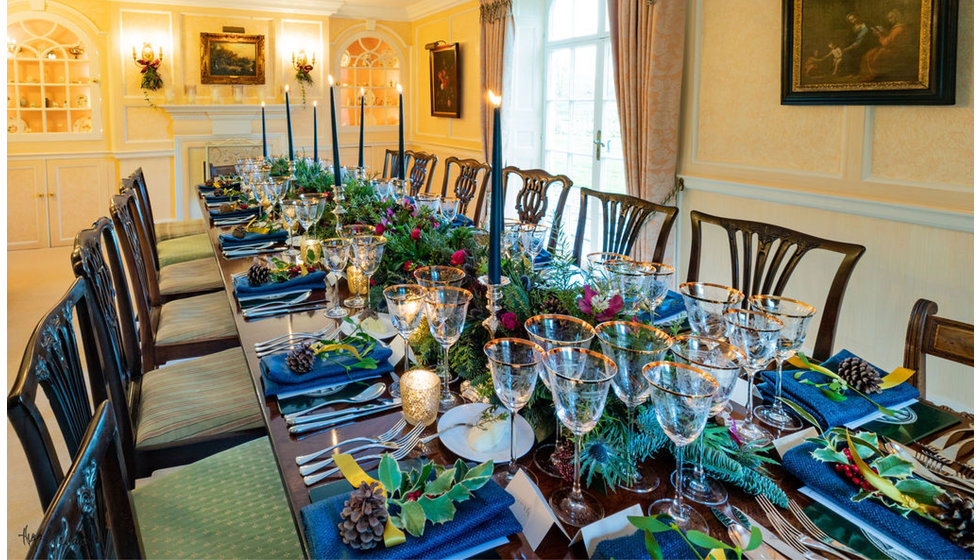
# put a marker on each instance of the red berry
(856, 480)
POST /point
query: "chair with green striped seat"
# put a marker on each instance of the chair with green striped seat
(163, 231)
(230, 505)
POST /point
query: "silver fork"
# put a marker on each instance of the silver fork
(791, 534)
(411, 437)
(386, 436)
(288, 336)
(312, 479)
(810, 527)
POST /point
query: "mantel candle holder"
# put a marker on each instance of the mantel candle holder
(360, 173)
(338, 209)
(494, 293)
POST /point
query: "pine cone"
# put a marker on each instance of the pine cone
(239, 232)
(364, 517)
(258, 275)
(226, 207)
(552, 304)
(956, 517)
(860, 375)
(300, 359)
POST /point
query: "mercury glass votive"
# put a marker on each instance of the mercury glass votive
(357, 285)
(420, 396)
(314, 246)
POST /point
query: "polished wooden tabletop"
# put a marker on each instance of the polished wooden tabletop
(287, 447)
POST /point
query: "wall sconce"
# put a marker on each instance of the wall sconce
(149, 64)
(11, 46)
(304, 66)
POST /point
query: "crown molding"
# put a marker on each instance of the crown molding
(392, 10)
(423, 8)
(310, 7)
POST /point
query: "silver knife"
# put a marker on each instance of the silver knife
(286, 311)
(768, 537)
(307, 418)
(303, 428)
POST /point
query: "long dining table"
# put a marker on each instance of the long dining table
(287, 447)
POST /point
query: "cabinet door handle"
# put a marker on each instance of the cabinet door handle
(51, 195)
(40, 195)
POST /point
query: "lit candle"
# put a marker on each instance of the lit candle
(420, 396)
(336, 143)
(401, 135)
(360, 143)
(496, 194)
(289, 126)
(316, 151)
(265, 145)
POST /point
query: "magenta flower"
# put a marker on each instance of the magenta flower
(459, 257)
(602, 308)
(416, 234)
(508, 320)
(379, 229)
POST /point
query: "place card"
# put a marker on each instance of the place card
(793, 439)
(397, 346)
(532, 510)
(611, 527)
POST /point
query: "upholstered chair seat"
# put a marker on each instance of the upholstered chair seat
(190, 277)
(181, 249)
(173, 230)
(197, 318)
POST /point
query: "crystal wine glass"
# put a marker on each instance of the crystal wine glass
(448, 208)
(430, 201)
(722, 361)
(705, 303)
(514, 366)
(405, 309)
(437, 276)
(630, 280)
(556, 331)
(335, 253)
(681, 398)
(307, 213)
(580, 382)
(275, 189)
(445, 310)
(631, 346)
(512, 240)
(290, 216)
(368, 251)
(756, 334)
(533, 238)
(795, 316)
(658, 282)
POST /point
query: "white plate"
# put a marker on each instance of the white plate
(385, 320)
(457, 442)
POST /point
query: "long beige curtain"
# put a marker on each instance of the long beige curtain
(496, 26)
(647, 40)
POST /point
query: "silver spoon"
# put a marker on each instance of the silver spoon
(368, 394)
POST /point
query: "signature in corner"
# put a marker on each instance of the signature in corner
(27, 536)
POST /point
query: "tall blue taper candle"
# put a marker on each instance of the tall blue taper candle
(401, 135)
(265, 145)
(336, 143)
(360, 143)
(496, 195)
(289, 126)
(316, 145)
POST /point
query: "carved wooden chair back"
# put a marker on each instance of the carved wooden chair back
(929, 334)
(391, 163)
(219, 170)
(764, 257)
(468, 184)
(421, 171)
(623, 217)
(137, 183)
(92, 515)
(54, 361)
(532, 199)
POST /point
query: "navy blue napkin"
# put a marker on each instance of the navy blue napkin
(230, 241)
(632, 547)
(483, 518)
(672, 304)
(312, 281)
(827, 412)
(217, 198)
(206, 188)
(462, 220)
(234, 213)
(543, 258)
(280, 379)
(914, 533)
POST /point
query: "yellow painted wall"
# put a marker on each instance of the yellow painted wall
(876, 169)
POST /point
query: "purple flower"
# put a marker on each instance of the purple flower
(508, 320)
(602, 308)
(390, 212)
(379, 229)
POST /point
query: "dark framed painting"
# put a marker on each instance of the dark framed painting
(444, 80)
(232, 58)
(869, 52)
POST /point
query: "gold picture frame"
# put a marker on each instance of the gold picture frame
(232, 58)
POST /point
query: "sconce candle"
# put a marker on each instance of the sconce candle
(401, 135)
(420, 396)
(496, 194)
(265, 148)
(316, 145)
(360, 143)
(289, 126)
(333, 132)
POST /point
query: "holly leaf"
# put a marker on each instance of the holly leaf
(389, 474)
(648, 524)
(459, 493)
(423, 477)
(829, 455)
(413, 518)
(438, 510)
(893, 466)
(862, 495)
(461, 470)
(478, 476)
(919, 490)
(441, 484)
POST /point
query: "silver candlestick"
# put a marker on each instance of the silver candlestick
(494, 294)
(338, 209)
(360, 173)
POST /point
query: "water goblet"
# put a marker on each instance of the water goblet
(756, 334)
(512, 240)
(335, 253)
(705, 304)
(795, 316)
(275, 189)
(533, 238)
(657, 284)
(350, 231)
(681, 397)
(723, 362)
(631, 346)
(437, 276)
(290, 216)
(514, 366)
(368, 251)
(448, 208)
(630, 281)
(556, 331)
(445, 310)
(580, 382)
(405, 309)
(307, 214)
(430, 201)
(597, 262)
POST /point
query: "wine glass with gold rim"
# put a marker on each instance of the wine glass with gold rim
(514, 367)
(445, 311)
(405, 309)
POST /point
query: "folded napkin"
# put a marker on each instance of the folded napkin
(230, 241)
(206, 188)
(215, 214)
(918, 535)
(280, 379)
(217, 198)
(312, 281)
(483, 518)
(668, 312)
(633, 547)
(543, 258)
(462, 220)
(826, 411)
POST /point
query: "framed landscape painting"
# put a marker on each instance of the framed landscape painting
(444, 80)
(869, 52)
(232, 58)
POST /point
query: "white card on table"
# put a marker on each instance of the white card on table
(793, 439)
(531, 509)
(611, 527)
(397, 346)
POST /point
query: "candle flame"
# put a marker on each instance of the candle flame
(362, 92)
(399, 86)
(263, 103)
(287, 89)
(330, 79)
(314, 103)
(494, 99)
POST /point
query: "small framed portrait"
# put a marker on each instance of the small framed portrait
(444, 80)
(869, 52)
(232, 58)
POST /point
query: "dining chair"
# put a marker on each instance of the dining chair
(230, 505)
(221, 170)
(181, 328)
(176, 413)
(164, 230)
(532, 199)
(421, 170)
(929, 334)
(390, 170)
(468, 184)
(623, 217)
(172, 250)
(764, 257)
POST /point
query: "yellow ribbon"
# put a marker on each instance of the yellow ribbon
(356, 475)
(893, 379)
(885, 486)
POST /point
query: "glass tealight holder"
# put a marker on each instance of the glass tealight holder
(357, 285)
(314, 246)
(420, 396)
